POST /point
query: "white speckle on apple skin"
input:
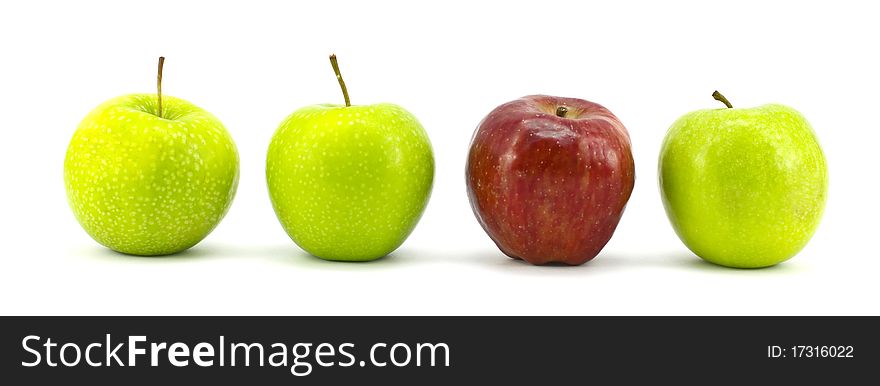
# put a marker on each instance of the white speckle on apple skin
(350, 183)
(144, 185)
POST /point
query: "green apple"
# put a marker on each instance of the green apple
(349, 182)
(149, 175)
(743, 187)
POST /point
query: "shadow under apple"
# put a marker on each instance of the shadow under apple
(104, 253)
(492, 259)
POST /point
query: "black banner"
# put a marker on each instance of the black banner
(436, 350)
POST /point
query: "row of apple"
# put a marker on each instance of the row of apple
(548, 178)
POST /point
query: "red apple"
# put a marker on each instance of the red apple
(548, 178)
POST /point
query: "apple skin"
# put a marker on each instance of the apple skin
(548, 189)
(144, 185)
(350, 183)
(743, 187)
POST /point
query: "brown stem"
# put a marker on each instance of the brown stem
(159, 83)
(335, 65)
(561, 111)
(718, 97)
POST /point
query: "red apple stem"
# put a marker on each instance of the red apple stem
(159, 83)
(718, 97)
(561, 111)
(335, 65)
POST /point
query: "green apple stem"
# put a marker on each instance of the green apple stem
(561, 111)
(159, 83)
(335, 65)
(718, 97)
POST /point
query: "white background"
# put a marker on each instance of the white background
(449, 63)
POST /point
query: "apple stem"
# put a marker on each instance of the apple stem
(718, 97)
(561, 111)
(335, 65)
(159, 83)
